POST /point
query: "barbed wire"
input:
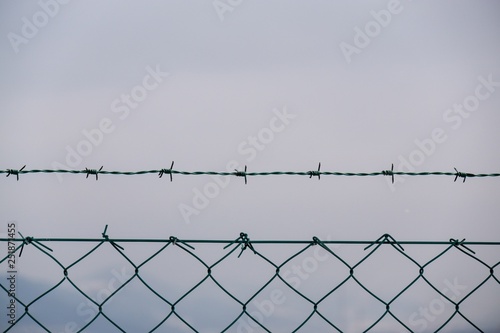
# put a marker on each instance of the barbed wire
(244, 173)
(318, 309)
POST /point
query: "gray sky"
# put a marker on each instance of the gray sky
(276, 86)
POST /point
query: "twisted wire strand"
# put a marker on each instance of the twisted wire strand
(317, 173)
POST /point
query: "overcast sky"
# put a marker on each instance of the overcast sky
(276, 86)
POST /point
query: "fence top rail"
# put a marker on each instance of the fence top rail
(226, 241)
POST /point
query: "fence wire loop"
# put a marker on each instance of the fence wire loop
(458, 243)
(167, 171)
(241, 174)
(93, 172)
(30, 240)
(389, 172)
(106, 237)
(15, 172)
(315, 173)
(244, 241)
(246, 244)
(174, 240)
(388, 239)
(317, 241)
(26, 241)
(233, 242)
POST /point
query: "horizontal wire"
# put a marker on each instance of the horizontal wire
(237, 173)
(227, 241)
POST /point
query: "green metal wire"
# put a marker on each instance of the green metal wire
(315, 173)
(239, 246)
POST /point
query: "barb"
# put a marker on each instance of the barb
(315, 173)
(237, 173)
(461, 175)
(389, 172)
(92, 172)
(241, 174)
(169, 171)
(15, 172)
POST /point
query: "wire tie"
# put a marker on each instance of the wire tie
(241, 174)
(458, 243)
(315, 173)
(317, 241)
(386, 238)
(389, 172)
(174, 240)
(14, 172)
(106, 237)
(28, 240)
(169, 171)
(92, 172)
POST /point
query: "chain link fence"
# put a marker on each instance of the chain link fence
(243, 285)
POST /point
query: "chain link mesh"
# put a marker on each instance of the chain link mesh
(170, 309)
